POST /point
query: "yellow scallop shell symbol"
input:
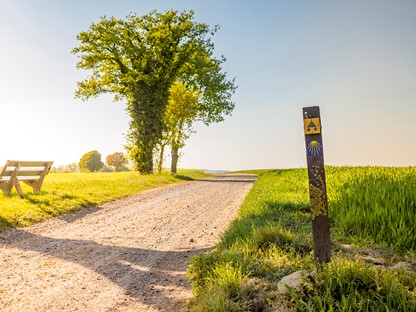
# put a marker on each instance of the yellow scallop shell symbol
(314, 148)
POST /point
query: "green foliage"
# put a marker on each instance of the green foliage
(374, 204)
(90, 162)
(188, 104)
(106, 169)
(67, 192)
(138, 59)
(116, 160)
(222, 277)
(201, 270)
(271, 238)
(264, 207)
(181, 112)
(352, 285)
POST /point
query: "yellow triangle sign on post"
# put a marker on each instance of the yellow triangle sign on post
(312, 125)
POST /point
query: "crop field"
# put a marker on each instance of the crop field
(372, 215)
(377, 205)
(68, 192)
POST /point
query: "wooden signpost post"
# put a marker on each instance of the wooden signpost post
(317, 184)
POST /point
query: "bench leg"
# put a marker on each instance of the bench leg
(36, 185)
(18, 188)
(6, 187)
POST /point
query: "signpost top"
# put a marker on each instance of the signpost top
(311, 112)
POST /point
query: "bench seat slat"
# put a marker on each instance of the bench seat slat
(8, 173)
(21, 178)
(12, 163)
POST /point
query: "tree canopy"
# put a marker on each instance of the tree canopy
(116, 160)
(90, 162)
(139, 58)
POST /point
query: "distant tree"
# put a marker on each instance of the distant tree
(73, 167)
(116, 160)
(90, 162)
(188, 104)
(65, 168)
(181, 112)
(106, 169)
(57, 169)
(138, 59)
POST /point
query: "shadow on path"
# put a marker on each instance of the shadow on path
(146, 275)
(142, 273)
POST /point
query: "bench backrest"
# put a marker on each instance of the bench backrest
(26, 169)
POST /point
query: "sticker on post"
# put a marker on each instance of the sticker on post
(312, 125)
(314, 148)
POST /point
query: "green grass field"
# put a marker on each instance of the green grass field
(68, 192)
(372, 212)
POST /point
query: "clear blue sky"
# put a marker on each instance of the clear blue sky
(355, 59)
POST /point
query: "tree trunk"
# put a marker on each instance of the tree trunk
(141, 153)
(175, 157)
(160, 164)
(146, 110)
(144, 160)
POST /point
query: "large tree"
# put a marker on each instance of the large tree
(138, 59)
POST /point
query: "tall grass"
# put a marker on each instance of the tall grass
(67, 192)
(374, 204)
(352, 285)
(271, 238)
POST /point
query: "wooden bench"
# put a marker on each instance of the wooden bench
(30, 172)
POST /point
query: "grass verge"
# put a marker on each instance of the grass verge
(271, 238)
(68, 192)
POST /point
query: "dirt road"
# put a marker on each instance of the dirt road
(128, 255)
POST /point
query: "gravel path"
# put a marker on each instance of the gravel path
(128, 255)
